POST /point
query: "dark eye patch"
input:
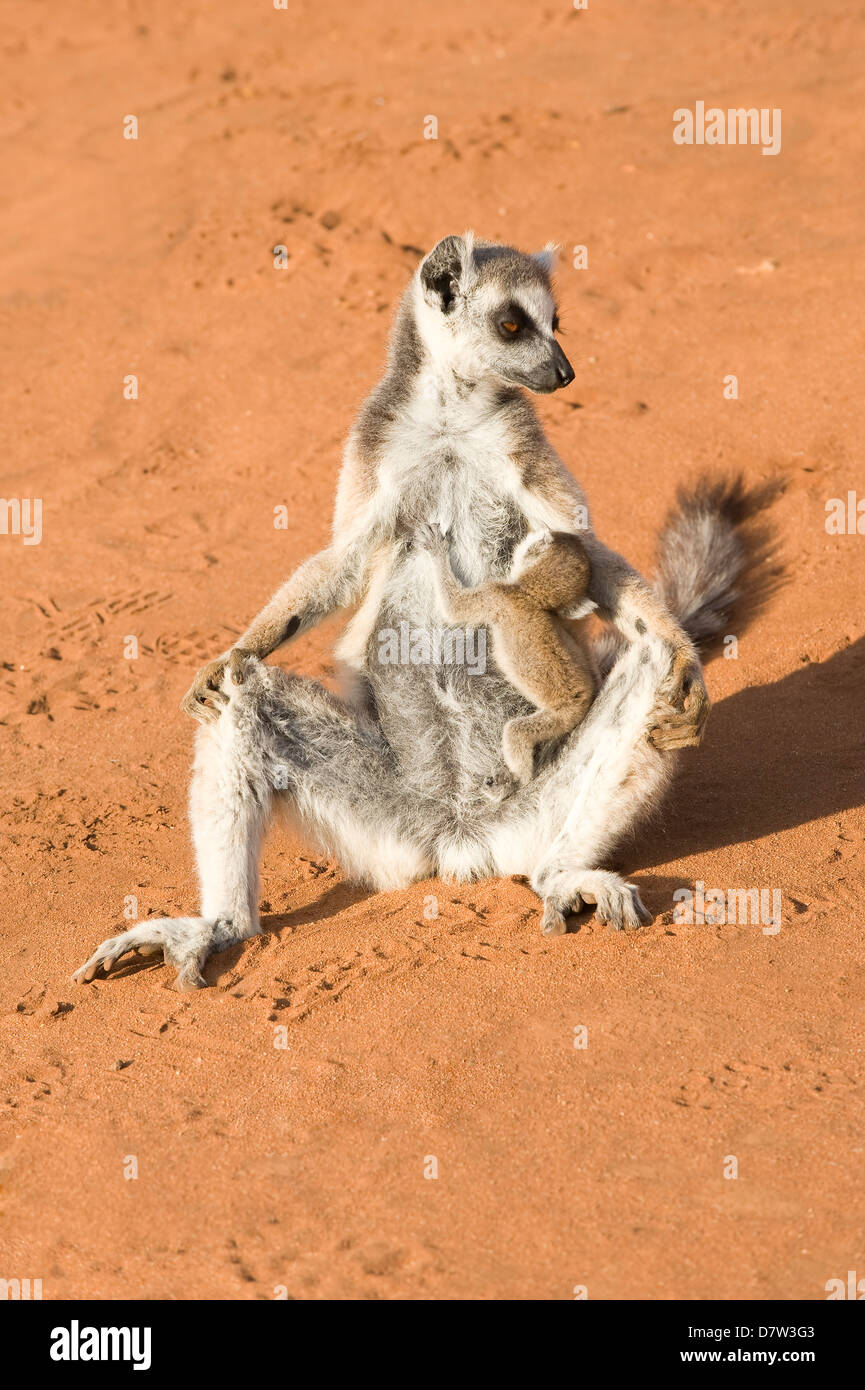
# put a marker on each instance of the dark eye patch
(512, 313)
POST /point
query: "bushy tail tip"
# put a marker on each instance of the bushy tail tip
(709, 551)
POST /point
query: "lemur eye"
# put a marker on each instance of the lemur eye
(555, 323)
(510, 326)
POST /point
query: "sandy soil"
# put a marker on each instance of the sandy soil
(408, 1038)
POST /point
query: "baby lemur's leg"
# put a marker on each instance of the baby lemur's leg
(522, 735)
(559, 829)
(557, 678)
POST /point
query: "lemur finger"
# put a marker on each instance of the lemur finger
(206, 713)
(690, 720)
(202, 689)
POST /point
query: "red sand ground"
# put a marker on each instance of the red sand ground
(454, 1038)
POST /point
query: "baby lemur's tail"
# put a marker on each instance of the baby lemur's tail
(711, 553)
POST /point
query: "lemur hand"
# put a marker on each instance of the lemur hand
(683, 706)
(427, 536)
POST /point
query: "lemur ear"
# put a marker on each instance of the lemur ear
(443, 272)
(547, 258)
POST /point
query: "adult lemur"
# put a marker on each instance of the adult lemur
(390, 780)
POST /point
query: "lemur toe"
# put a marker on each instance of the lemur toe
(553, 922)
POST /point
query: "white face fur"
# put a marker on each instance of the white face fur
(488, 311)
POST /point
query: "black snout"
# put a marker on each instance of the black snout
(551, 374)
(554, 373)
(564, 370)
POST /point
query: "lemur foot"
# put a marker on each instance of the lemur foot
(182, 941)
(616, 902)
(499, 785)
(683, 707)
(520, 764)
(205, 698)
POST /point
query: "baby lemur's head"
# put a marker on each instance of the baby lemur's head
(552, 570)
(487, 310)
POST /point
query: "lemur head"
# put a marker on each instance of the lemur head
(552, 569)
(529, 550)
(488, 311)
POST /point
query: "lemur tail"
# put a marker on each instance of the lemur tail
(708, 554)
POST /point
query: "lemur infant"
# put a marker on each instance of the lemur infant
(551, 669)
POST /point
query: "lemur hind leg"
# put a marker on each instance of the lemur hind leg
(230, 806)
(280, 740)
(558, 829)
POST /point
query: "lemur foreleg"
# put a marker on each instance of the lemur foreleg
(328, 581)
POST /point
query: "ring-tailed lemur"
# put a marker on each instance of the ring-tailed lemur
(390, 780)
